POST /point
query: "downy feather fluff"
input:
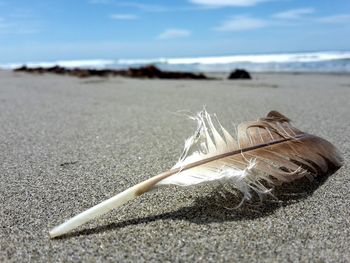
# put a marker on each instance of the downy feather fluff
(265, 153)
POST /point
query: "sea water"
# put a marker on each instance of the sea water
(329, 61)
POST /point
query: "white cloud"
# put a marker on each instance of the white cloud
(335, 19)
(123, 17)
(174, 33)
(294, 13)
(241, 23)
(223, 3)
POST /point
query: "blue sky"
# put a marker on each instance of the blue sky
(32, 30)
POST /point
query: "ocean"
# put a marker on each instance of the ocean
(328, 61)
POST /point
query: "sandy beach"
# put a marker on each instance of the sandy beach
(68, 143)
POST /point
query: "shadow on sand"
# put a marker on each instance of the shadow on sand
(215, 207)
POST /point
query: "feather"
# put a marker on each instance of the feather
(266, 153)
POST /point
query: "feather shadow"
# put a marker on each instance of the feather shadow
(215, 207)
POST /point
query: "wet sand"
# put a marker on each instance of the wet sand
(68, 143)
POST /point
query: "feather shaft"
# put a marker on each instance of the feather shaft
(109, 204)
(135, 191)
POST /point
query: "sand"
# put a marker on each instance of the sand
(68, 143)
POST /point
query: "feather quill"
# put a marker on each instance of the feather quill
(267, 152)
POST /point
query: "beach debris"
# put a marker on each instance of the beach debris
(150, 72)
(266, 153)
(65, 164)
(239, 74)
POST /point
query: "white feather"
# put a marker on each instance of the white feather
(201, 146)
(212, 154)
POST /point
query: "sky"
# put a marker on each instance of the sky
(47, 30)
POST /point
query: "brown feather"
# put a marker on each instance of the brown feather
(269, 150)
(280, 151)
